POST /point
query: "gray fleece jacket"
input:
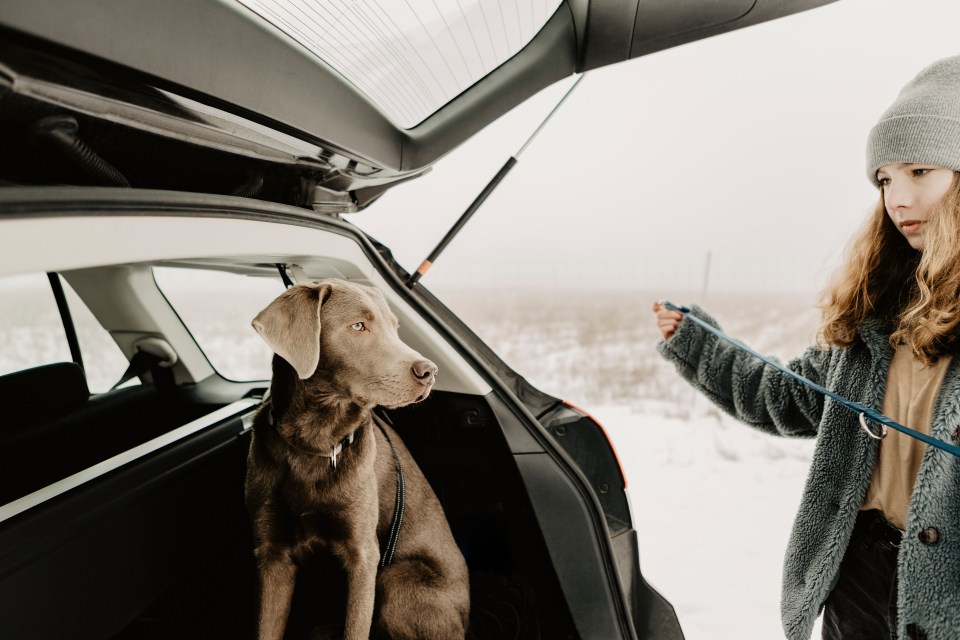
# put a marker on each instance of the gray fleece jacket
(928, 573)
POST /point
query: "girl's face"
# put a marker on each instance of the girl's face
(910, 192)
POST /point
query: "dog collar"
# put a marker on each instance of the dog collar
(337, 448)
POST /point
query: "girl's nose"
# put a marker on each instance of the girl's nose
(897, 196)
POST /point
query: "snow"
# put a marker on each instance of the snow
(713, 500)
(712, 504)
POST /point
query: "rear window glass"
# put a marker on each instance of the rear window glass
(413, 57)
(32, 333)
(103, 361)
(217, 307)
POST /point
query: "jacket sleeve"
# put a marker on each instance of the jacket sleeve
(745, 387)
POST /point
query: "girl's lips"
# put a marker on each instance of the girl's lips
(910, 226)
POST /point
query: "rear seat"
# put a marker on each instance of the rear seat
(53, 427)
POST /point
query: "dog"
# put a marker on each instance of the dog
(325, 476)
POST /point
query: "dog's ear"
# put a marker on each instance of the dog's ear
(291, 326)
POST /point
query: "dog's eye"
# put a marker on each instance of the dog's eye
(357, 326)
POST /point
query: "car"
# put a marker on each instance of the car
(166, 170)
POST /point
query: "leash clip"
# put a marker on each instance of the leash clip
(674, 307)
(870, 432)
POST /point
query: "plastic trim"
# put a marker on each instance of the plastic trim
(60, 487)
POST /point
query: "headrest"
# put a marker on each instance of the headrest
(45, 389)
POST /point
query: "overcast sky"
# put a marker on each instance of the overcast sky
(749, 146)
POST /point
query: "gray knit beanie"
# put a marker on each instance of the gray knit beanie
(923, 124)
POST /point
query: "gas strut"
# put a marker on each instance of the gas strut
(504, 170)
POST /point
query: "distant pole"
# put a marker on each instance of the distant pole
(706, 279)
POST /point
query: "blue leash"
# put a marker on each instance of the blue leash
(863, 412)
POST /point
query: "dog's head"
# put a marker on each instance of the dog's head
(357, 355)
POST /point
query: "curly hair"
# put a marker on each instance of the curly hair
(915, 293)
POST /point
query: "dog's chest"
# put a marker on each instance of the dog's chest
(327, 506)
(312, 486)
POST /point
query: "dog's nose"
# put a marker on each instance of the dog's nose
(424, 371)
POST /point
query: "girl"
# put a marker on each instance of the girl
(876, 542)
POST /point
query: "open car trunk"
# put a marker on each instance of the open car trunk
(161, 547)
(123, 511)
(210, 96)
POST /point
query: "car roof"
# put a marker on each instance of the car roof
(223, 56)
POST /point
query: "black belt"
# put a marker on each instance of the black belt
(871, 526)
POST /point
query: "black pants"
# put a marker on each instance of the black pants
(863, 603)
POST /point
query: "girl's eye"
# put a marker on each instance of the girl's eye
(883, 181)
(921, 172)
(357, 326)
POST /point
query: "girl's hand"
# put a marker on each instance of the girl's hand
(667, 320)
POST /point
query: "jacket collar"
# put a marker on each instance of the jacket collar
(873, 332)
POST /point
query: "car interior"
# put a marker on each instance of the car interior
(183, 505)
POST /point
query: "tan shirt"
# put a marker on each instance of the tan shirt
(912, 390)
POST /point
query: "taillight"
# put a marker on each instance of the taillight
(606, 436)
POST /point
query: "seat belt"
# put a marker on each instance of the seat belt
(151, 354)
(140, 363)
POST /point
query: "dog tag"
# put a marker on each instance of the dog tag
(334, 453)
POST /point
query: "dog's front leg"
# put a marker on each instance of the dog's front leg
(361, 567)
(277, 577)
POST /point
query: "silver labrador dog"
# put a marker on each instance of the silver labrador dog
(322, 474)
